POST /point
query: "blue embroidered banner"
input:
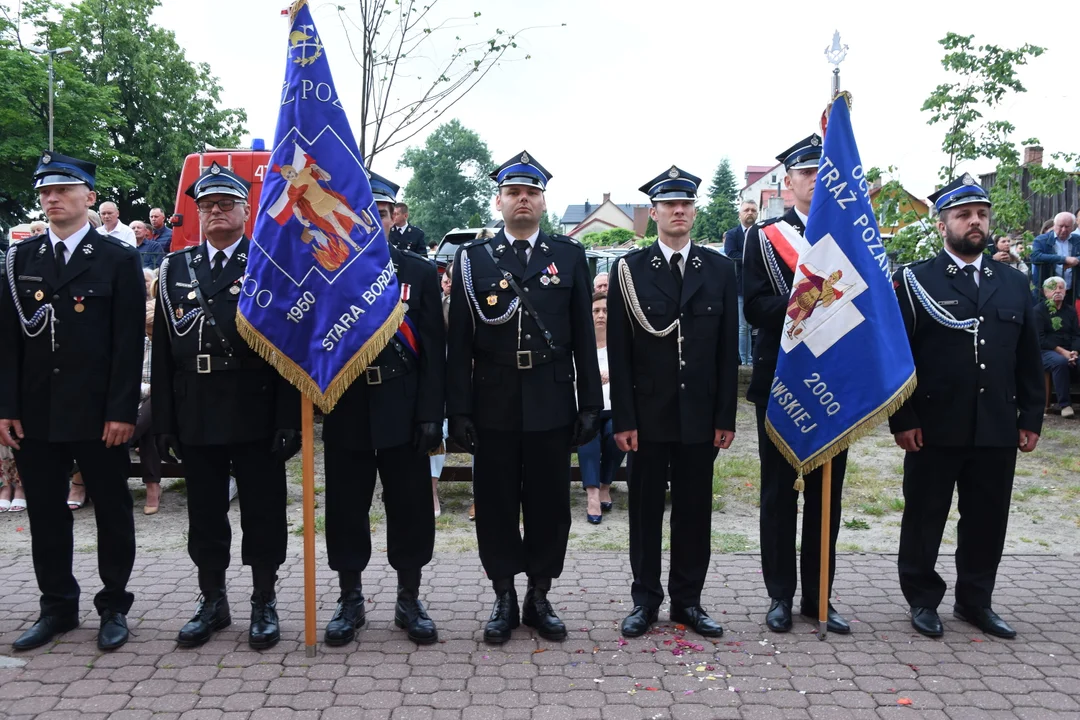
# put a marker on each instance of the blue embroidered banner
(321, 299)
(844, 363)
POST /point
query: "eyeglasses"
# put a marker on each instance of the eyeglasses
(226, 205)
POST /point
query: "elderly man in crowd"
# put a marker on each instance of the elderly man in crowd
(151, 250)
(159, 231)
(1059, 340)
(600, 283)
(1057, 253)
(111, 225)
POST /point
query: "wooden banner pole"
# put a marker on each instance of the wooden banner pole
(307, 439)
(824, 564)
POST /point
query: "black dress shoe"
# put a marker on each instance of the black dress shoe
(985, 619)
(779, 616)
(264, 632)
(697, 620)
(211, 615)
(639, 620)
(411, 617)
(537, 613)
(45, 629)
(113, 631)
(504, 618)
(834, 624)
(926, 621)
(348, 618)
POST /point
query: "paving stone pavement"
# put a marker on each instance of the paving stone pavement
(882, 670)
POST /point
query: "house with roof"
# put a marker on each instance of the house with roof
(762, 183)
(579, 220)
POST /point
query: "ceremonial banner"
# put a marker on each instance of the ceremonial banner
(844, 364)
(321, 298)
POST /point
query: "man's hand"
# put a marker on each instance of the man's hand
(604, 377)
(11, 433)
(1071, 262)
(168, 447)
(1028, 441)
(586, 428)
(910, 440)
(627, 441)
(428, 437)
(1003, 256)
(723, 438)
(463, 432)
(117, 433)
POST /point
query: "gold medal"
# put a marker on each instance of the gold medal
(493, 299)
(191, 295)
(79, 307)
(39, 296)
(179, 313)
(502, 283)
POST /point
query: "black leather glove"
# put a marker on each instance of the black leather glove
(168, 447)
(463, 432)
(285, 444)
(427, 437)
(586, 427)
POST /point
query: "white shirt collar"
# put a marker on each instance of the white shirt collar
(212, 251)
(402, 228)
(962, 263)
(72, 241)
(531, 239)
(802, 217)
(668, 252)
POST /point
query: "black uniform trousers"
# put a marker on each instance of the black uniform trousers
(779, 517)
(410, 510)
(691, 471)
(260, 484)
(983, 478)
(44, 467)
(522, 474)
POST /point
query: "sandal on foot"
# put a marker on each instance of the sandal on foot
(73, 504)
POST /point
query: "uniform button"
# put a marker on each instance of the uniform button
(709, 308)
(682, 363)
(682, 385)
(982, 390)
(56, 371)
(982, 366)
(982, 342)
(210, 301)
(981, 318)
(56, 298)
(526, 289)
(207, 346)
(91, 291)
(528, 337)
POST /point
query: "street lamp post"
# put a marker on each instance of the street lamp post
(52, 57)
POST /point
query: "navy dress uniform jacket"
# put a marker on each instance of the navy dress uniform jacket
(412, 239)
(224, 406)
(483, 380)
(409, 390)
(764, 306)
(958, 402)
(650, 392)
(64, 388)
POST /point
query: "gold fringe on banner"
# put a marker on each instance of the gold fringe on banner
(295, 8)
(846, 440)
(302, 380)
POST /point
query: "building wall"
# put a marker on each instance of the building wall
(607, 212)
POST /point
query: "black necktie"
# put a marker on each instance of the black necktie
(676, 270)
(521, 247)
(219, 265)
(59, 249)
(969, 270)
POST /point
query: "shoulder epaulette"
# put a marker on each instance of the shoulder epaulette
(475, 241)
(182, 250)
(566, 239)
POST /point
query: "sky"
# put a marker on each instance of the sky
(626, 89)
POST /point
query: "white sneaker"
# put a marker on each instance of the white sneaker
(1067, 411)
(232, 489)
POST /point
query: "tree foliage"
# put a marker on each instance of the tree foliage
(127, 98)
(605, 238)
(551, 224)
(721, 214)
(393, 43)
(450, 183)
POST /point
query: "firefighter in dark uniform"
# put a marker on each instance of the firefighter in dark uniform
(980, 397)
(673, 358)
(217, 404)
(404, 236)
(766, 285)
(388, 421)
(520, 336)
(72, 323)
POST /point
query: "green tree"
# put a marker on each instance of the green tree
(449, 183)
(721, 214)
(82, 111)
(168, 107)
(475, 221)
(606, 238)
(650, 228)
(550, 224)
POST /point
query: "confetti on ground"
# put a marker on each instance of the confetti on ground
(903, 701)
(537, 651)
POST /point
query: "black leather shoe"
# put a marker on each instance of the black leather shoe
(697, 620)
(926, 621)
(348, 618)
(264, 632)
(985, 619)
(779, 616)
(537, 613)
(638, 622)
(834, 624)
(211, 615)
(413, 619)
(504, 618)
(45, 629)
(113, 631)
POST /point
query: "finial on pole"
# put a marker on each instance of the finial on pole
(835, 55)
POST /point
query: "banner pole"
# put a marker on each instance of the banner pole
(307, 439)
(824, 564)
